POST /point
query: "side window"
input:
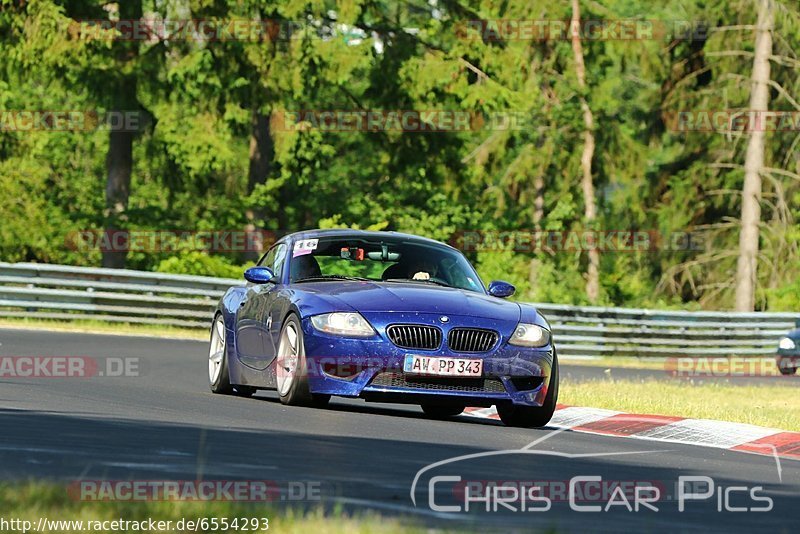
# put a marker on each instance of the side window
(275, 259)
(280, 260)
(268, 259)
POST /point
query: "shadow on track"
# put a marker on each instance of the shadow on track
(373, 472)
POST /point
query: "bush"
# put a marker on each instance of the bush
(201, 264)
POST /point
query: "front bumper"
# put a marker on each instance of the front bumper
(373, 368)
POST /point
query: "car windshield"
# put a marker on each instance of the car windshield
(390, 260)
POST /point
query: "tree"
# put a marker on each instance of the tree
(122, 85)
(754, 162)
(587, 184)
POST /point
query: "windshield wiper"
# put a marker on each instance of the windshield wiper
(438, 283)
(332, 278)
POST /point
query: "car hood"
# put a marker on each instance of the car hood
(411, 297)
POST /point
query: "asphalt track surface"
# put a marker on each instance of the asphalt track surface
(166, 425)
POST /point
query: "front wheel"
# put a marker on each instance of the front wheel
(291, 369)
(218, 376)
(533, 416)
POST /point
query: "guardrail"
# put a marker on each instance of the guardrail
(594, 331)
(120, 295)
(117, 295)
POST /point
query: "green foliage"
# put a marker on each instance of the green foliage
(786, 298)
(505, 265)
(557, 283)
(192, 162)
(199, 263)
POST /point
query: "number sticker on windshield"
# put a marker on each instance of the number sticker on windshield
(305, 246)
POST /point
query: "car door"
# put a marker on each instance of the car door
(273, 310)
(252, 329)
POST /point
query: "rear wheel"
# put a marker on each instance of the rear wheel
(291, 368)
(786, 367)
(533, 416)
(442, 411)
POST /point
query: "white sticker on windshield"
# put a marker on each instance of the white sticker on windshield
(305, 246)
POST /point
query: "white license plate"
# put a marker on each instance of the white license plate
(431, 365)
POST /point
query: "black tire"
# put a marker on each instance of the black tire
(299, 393)
(529, 416)
(786, 367)
(442, 411)
(222, 383)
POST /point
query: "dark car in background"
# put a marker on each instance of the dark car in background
(789, 352)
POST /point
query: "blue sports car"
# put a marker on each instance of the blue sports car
(386, 317)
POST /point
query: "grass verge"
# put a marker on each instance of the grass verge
(103, 327)
(34, 500)
(773, 406)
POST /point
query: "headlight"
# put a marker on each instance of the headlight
(786, 344)
(343, 324)
(530, 335)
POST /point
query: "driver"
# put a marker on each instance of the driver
(422, 269)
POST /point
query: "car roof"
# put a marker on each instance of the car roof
(366, 234)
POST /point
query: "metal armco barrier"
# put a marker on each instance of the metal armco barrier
(117, 295)
(120, 295)
(597, 331)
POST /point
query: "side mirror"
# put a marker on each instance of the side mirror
(501, 289)
(259, 275)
